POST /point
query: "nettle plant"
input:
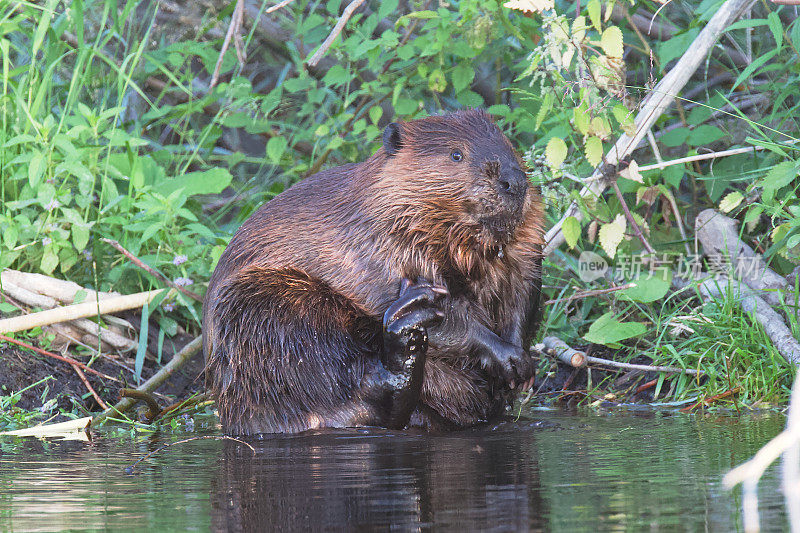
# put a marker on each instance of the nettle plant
(579, 72)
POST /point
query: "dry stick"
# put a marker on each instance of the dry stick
(153, 408)
(141, 264)
(699, 157)
(720, 239)
(750, 472)
(558, 348)
(56, 356)
(636, 229)
(277, 6)
(326, 44)
(71, 312)
(233, 32)
(647, 368)
(563, 352)
(177, 361)
(587, 294)
(654, 105)
(89, 387)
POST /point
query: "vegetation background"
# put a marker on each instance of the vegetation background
(123, 120)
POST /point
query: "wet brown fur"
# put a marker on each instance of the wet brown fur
(292, 323)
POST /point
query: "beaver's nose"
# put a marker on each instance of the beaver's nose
(513, 181)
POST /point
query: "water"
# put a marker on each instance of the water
(555, 472)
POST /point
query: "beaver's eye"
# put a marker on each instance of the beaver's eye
(456, 155)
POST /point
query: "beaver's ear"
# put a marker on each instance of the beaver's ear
(391, 139)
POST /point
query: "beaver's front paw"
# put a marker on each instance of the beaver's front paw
(406, 323)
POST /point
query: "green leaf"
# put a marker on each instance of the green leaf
(747, 73)
(677, 46)
(425, 14)
(142, 349)
(593, 7)
(276, 146)
(406, 106)
(675, 137)
(704, 134)
(80, 237)
(463, 75)
(779, 176)
(437, 82)
(611, 235)
(594, 151)
(776, 27)
(556, 152)
(611, 42)
(571, 229)
(49, 260)
(609, 331)
(211, 181)
(650, 288)
(375, 114)
(36, 168)
(730, 202)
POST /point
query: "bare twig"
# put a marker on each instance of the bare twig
(720, 239)
(632, 221)
(277, 6)
(656, 103)
(89, 387)
(177, 361)
(233, 32)
(750, 472)
(647, 368)
(63, 358)
(153, 408)
(74, 311)
(141, 264)
(563, 352)
(700, 157)
(586, 294)
(340, 24)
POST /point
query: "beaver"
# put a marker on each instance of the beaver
(400, 291)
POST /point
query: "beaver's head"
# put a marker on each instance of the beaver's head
(462, 171)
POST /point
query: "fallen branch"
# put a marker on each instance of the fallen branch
(158, 275)
(63, 358)
(233, 32)
(654, 105)
(646, 368)
(563, 352)
(326, 44)
(74, 311)
(730, 255)
(750, 472)
(49, 291)
(555, 347)
(277, 6)
(587, 294)
(177, 361)
(750, 302)
(89, 387)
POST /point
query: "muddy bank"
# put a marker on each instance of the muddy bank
(64, 391)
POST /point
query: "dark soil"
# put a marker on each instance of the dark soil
(20, 368)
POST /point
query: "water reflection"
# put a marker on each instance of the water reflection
(566, 472)
(343, 481)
